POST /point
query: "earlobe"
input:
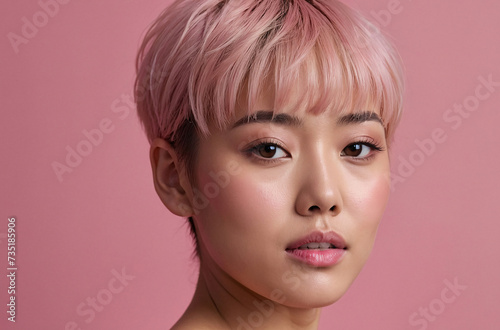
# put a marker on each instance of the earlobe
(169, 178)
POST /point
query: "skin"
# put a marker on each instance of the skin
(309, 182)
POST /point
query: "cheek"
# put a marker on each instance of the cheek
(249, 202)
(246, 215)
(243, 206)
(375, 196)
(368, 205)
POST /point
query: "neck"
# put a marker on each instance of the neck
(223, 303)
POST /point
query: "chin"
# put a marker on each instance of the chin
(316, 295)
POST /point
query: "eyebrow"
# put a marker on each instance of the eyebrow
(266, 116)
(269, 117)
(359, 117)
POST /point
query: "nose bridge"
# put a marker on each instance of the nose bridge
(320, 182)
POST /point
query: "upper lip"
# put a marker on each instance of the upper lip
(319, 237)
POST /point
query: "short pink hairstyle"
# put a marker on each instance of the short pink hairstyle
(200, 56)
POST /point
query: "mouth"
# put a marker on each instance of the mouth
(317, 246)
(318, 249)
(319, 241)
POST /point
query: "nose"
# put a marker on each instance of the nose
(320, 183)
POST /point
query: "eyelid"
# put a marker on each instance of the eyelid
(248, 150)
(375, 147)
(262, 141)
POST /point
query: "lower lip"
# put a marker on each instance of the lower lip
(318, 258)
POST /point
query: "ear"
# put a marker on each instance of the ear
(169, 178)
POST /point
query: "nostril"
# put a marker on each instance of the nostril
(314, 208)
(317, 208)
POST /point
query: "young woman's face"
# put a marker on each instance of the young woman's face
(288, 209)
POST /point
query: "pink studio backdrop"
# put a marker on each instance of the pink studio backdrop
(98, 230)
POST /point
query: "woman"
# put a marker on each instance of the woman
(270, 124)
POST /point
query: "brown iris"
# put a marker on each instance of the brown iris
(267, 150)
(353, 150)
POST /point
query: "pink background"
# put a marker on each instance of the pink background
(76, 73)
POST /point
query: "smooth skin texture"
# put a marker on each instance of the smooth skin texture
(303, 173)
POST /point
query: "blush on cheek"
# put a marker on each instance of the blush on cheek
(370, 198)
(247, 201)
(368, 205)
(380, 191)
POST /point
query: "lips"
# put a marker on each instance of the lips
(318, 249)
(320, 246)
(319, 240)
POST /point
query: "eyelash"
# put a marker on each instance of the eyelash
(252, 150)
(372, 144)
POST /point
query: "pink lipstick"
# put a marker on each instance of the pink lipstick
(318, 249)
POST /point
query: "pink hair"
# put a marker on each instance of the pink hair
(198, 57)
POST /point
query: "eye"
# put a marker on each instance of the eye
(360, 150)
(269, 151)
